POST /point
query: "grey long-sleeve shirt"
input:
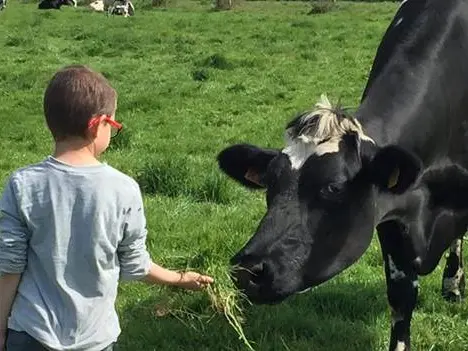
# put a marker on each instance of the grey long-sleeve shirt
(72, 232)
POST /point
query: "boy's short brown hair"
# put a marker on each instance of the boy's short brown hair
(73, 96)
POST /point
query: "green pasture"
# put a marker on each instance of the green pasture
(192, 81)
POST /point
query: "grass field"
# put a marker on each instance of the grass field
(192, 81)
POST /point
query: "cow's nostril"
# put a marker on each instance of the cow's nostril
(257, 273)
(250, 274)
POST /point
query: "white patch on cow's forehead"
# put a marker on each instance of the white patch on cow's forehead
(320, 133)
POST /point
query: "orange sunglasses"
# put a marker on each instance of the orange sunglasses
(116, 127)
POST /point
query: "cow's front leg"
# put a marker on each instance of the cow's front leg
(453, 281)
(402, 284)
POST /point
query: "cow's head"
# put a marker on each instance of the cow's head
(322, 195)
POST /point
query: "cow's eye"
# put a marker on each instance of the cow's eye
(332, 189)
(335, 188)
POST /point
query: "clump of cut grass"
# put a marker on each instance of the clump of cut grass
(225, 298)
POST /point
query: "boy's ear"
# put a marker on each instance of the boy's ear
(93, 131)
(394, 169)
(247, 164)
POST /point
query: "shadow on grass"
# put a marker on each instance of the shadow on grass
(333, 317)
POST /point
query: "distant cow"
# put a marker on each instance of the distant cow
(101, 5)
(3, 4)
(121, 7)
(397, 165)
(55, 4)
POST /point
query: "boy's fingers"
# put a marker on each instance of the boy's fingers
(206, 279)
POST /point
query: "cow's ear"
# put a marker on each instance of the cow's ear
(246, 164)
(394, 169)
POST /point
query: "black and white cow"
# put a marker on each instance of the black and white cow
(3, 4)
(121, 7)
(55, 4)
(390, 166)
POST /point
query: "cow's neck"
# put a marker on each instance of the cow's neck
(407, 90)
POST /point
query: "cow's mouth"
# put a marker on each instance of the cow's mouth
(257, 290)
(260, 296)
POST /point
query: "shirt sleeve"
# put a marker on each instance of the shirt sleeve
(133, 256)
(14, 234)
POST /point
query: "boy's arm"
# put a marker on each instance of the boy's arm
(161, 275)
(14, 237)
(133, 256)
(8, 287)
(186, 280)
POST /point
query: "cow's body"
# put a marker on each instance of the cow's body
(392, 165)
(55, 4)
(101, 5)
(417, 91)
(417, 97)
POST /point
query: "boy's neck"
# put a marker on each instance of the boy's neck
(76, 152)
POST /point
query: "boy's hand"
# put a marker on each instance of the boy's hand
(194, 281)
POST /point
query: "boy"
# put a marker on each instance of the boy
(70, 227)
